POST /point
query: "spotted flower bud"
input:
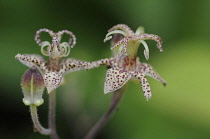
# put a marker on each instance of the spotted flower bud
(32, 84)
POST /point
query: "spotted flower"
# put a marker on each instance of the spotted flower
(54, 69)
(125, 64)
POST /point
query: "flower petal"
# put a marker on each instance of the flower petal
(115, 79)
(144, 84)
(32, 60)
(107, 61)
(71, 65)
(147, 69)
(52, 80)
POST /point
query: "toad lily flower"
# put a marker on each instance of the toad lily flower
(53, 69)
(125, 64)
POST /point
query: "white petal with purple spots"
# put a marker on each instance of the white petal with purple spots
(52, 80)
(115, 79)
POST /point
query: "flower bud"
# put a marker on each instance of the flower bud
(32, 84)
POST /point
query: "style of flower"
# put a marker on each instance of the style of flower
(125, 64)
(54, 69)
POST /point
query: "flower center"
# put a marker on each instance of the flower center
(126, 62)
(132, 48)
(53, 64)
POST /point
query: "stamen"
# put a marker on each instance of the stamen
(43, 44)
(146, 51)
(66, 48)
(108, 37)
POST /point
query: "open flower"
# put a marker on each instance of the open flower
(53, 69)
(125, 64)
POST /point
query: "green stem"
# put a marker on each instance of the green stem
(117, 95)
(35, 119)
(52, 124)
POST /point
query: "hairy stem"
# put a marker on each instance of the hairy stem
(117, 95)
(35, 119)
(52, 124)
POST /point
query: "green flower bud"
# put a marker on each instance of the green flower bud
(32, 84)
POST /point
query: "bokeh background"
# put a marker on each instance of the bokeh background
(181, 110)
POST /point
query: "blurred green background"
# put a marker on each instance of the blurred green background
(181, 110)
